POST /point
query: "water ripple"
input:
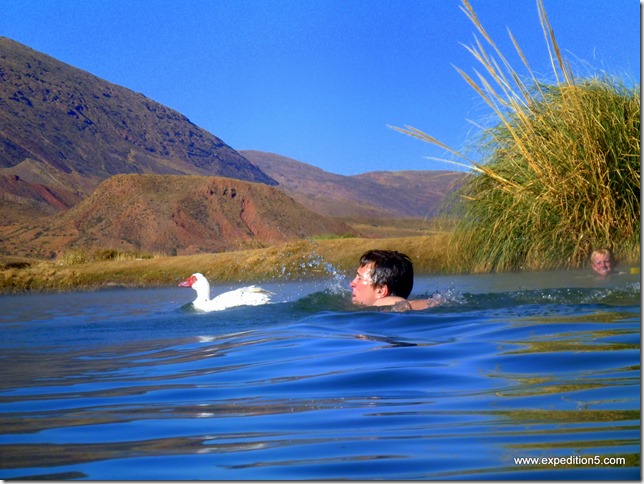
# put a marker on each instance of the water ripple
(290, 392)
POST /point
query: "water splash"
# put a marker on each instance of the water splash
(302, 263)
(312, 265)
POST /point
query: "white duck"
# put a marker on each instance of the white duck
(244, 296)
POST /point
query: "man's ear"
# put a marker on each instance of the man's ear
(382, 291)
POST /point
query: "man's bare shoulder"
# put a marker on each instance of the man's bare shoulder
(389, 301)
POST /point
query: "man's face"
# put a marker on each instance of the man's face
(363, 292)
(603, 264)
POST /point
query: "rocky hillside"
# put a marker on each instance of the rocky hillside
(388, 194)
(66, 130)
(86, 163)
(174, 214)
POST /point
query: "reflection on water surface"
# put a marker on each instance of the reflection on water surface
(134, 385)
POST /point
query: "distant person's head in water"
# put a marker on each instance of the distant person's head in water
(383, 278)
(603, 262)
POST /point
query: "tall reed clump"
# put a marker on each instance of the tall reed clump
(560, 169)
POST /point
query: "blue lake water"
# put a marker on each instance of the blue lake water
(134, 385)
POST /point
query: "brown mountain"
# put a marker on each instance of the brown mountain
(389, 194)
(186, 214)
(66, 130)
(22, 201)
(66, 137)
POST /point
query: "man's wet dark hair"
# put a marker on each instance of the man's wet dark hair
(392, 269)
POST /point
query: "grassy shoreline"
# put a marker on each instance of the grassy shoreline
(291, 261)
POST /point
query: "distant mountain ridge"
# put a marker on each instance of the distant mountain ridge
(388, 194)
(181, 214)
(65, 128)
(64, 134)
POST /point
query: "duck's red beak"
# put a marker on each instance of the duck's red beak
(188, 282)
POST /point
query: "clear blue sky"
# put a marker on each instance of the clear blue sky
(319, 80)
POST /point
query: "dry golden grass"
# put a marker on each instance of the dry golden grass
(403, 227)
(559, 169)
(292, 261)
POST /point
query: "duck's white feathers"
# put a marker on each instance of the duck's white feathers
(244, 296)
